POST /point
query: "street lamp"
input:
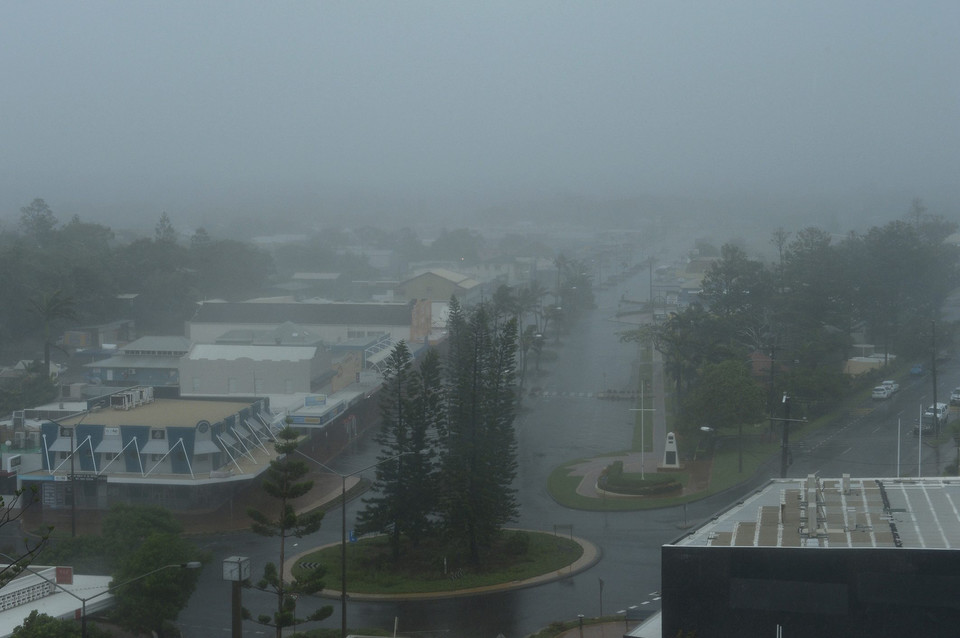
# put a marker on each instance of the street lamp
(343, 527)
(785, 443)
(110, 589)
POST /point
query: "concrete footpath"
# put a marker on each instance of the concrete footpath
(599, 630)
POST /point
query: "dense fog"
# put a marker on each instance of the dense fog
(242, 116)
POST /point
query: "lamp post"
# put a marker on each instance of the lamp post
(343, 527)
(236, 570)
(110, 589)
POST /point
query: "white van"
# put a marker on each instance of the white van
(938, 414)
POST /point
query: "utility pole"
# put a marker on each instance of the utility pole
(784, 451)
(933, 371)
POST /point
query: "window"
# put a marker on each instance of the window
(158, 434)
(156, 457)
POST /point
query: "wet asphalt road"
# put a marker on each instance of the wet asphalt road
(567, 424)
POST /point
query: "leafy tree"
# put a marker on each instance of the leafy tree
(479, 457)
(779, 239)
(50, 308)
(405, 477)
(735, 285)
(80, 261)
(283, 482)
(726, 396)
(687, 340)
(37, 221)
(156, 271)
(229, 268)
(125, 528)
(129, 526)
(530, 300)
(38, 625)
(11, 511)
(504, 302)
(31, 388)
(164, 232)
(145, 604)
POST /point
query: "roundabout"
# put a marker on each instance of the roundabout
(589, 555)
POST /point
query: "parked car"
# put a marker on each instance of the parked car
(881, 392)
(936, 414)
(917, 369)
(955, 397)
(891, 385)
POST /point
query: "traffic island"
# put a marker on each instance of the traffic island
(426, 574)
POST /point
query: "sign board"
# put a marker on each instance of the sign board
(64, 575)
(11, 463)
(310, 401)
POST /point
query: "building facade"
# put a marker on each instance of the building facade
(821, 557)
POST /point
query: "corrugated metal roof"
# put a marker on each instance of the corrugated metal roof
(323, 276)
(231, 352)
(894, 513)
(464, 281)
(375, 314)
(136, 361)
(158, 344)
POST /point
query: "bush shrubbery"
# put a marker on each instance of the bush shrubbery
(615, 480)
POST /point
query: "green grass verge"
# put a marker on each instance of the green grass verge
(421, 569)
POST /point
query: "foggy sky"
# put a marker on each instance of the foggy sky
(242, 106)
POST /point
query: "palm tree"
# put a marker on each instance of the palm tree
(48, 308)
(530, 299)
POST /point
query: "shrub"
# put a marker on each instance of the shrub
(614, 480)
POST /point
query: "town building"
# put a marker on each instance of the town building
(97, 336)
(331, 322)
(254, 370)
(153, 361)
(821, 557)
(187, 455)
(439, 284)
(55, 591)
